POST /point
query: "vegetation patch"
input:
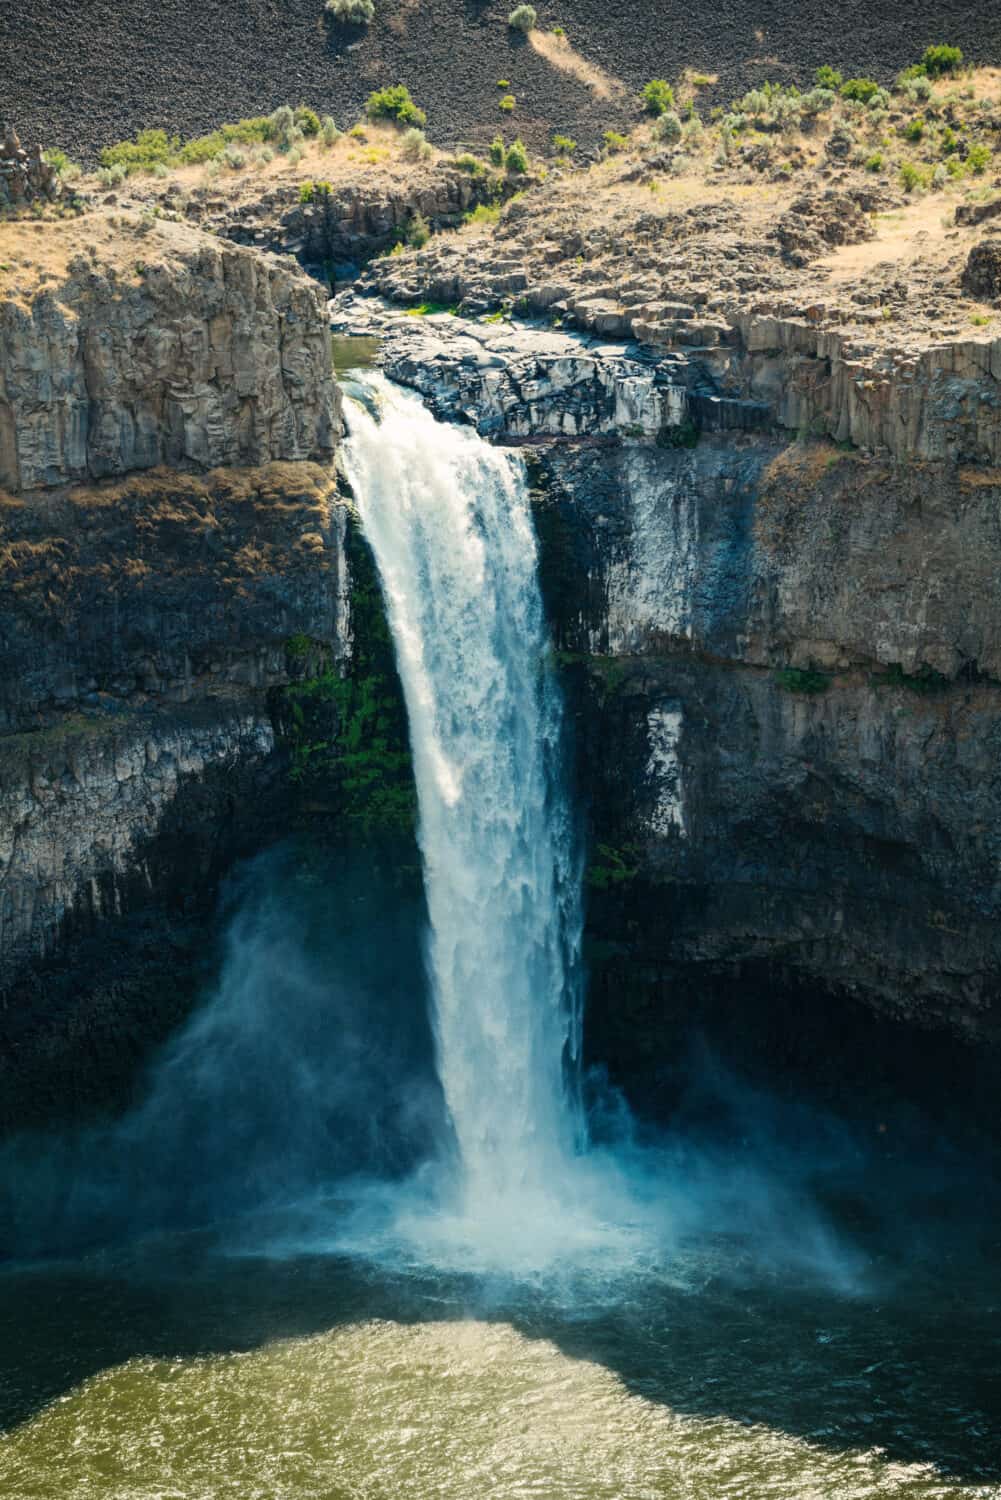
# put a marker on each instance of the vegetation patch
(800, 680)
(684, 435)
(351, 12)
(657, 96)
(347, 734)
(612, 867)
(394, 103)
(523, 18)
(924, 682)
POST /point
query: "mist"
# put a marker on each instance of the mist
(309, 1060)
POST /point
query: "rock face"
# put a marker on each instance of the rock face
(338, 231)
(147, 625)
(982, 276)
(193, 354)
(783, 660)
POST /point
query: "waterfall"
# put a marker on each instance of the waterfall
(448, 520)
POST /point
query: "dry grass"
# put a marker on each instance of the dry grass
(558, 52)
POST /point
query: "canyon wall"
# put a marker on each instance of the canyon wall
(781, 659)
(172, 554)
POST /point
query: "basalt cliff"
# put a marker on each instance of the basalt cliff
(767, 479)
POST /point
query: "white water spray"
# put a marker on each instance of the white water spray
(448, 519)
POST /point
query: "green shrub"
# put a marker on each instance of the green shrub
(914, 129)
(467, 162)
(483, 213)
(563, 145)
(503, 83)
(668, 127)
(615, 142)
(948, 140)
(310, 191)
(559, 31)
(911, 177)
(798, 680)
(924, 681)
(352, 12)
(827, 77)
(142, 154)
(939, 60)
(507, 103)
(523, 18)
(874, 163)
(418, 232)
(60, 163)
(307, 120)
(978, 159)
(658, 96)
(860, 89)
(416, 146)
(394, 103)
(516, 157)
(497, 152)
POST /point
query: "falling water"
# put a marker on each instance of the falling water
(448, 519)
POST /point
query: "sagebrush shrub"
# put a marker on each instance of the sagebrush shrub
(523, 18)
(356, 12)
(818, 101)
(668, 127)
(415, 145)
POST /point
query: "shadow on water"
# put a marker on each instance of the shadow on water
(913, 1373)
(314, 1060)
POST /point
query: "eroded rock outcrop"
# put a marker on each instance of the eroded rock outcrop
(25, 176)
(340, 228)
